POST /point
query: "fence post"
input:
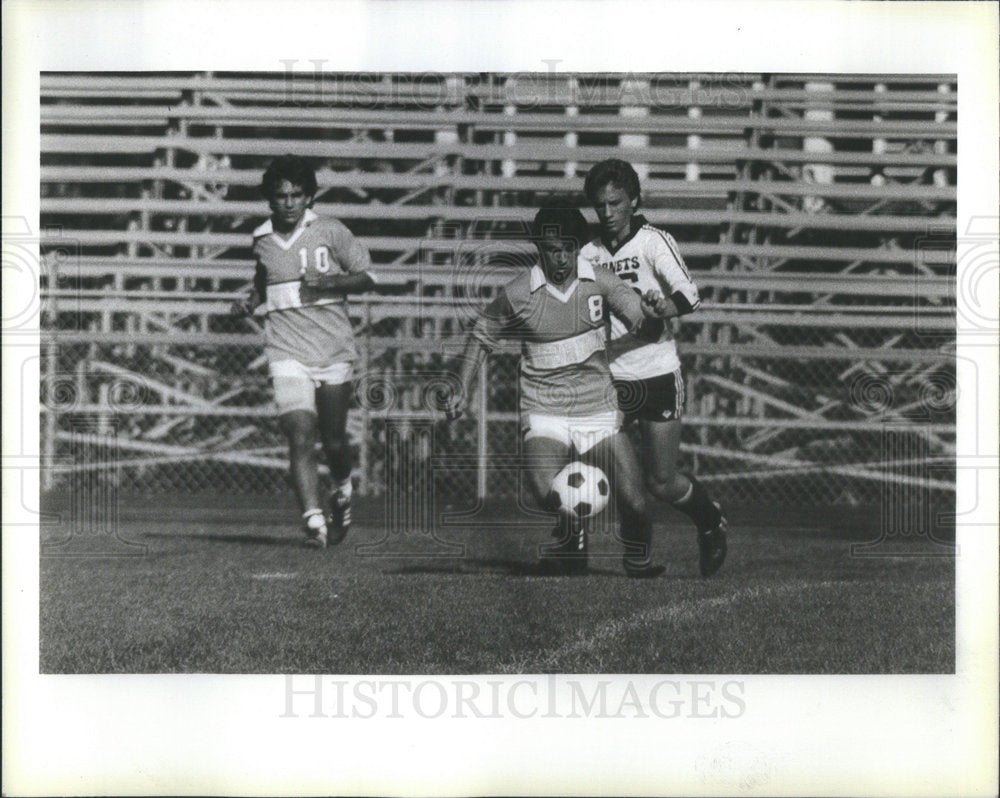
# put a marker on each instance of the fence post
(482, 445)
(49, 444)
(363, 450)
(51, 368)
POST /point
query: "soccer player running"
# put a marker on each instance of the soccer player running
(557, 311)
(648, 375)
(306, 265)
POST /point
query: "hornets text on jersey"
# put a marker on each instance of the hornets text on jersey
(647, 259)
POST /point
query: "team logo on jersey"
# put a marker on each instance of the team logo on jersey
(625, 268)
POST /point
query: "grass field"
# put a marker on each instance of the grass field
(227, 587)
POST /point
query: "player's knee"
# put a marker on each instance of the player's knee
(301, 439)
(656, 486)
(334, 440)
(543, 493)
(336, 448)
(633, 501)
(668, 488)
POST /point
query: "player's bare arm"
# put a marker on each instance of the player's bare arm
(482, 338)
(472, 360)
(654, 304)
(333, 284)
(642, 321)
(255, 297)
(245, 306)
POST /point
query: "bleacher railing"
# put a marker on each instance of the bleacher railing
(816, 212)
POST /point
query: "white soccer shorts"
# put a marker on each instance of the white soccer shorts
(295, 384)
(582, 433)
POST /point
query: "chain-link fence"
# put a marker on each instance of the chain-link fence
(820, 368)
(790, 422)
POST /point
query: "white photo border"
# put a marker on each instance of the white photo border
(878, 735)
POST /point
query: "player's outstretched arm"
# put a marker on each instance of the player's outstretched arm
(628, 306)
(490, 326)
(655, 305)
(672, 273)
(246, 306)
(334, 284)
(472, 360)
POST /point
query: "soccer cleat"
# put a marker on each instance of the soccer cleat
(712, 545)
(316, 531)
(568, 557)
(339, 519)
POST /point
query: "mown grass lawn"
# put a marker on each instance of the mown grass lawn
(232, 591)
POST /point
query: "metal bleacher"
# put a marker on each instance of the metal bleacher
(817, 213)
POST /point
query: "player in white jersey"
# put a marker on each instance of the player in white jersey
(306, 265)
(648, 375)
(557, 311)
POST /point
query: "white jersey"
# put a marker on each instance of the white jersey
(647, 259)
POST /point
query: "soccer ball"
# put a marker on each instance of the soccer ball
(583, 490)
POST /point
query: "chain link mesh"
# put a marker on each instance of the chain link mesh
(772, 429)
(795, 393)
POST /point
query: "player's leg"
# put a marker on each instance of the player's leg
(295, 398)
(615, 456)
(660, 446)
(660, 430)
(332, 404)
(545, 453)
(299, 428)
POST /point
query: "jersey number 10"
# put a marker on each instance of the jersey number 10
(321, 260)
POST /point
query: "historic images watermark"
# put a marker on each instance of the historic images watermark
(917, 403)
(311, 82)
(545, 698)
(80, 418)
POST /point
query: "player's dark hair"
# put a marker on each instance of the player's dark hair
(297, 171)
(614, 172)
(562, 222)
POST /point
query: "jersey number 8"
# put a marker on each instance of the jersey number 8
(596, 303)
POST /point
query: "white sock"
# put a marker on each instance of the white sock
(314, 519)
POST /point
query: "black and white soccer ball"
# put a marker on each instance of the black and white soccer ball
(583, 490)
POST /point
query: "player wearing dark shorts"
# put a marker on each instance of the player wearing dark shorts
(648, 375)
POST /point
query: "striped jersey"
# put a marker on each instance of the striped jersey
(315, 332)
(564, 365)
(647, 259)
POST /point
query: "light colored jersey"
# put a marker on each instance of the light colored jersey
(315, 333)
(564, 365)
(648, 259)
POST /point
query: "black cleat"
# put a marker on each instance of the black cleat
(338, 521)
(568, 557)
(712, 545)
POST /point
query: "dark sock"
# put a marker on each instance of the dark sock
(636, 534)
(698, 506)
(568, 527)
(340, 470)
